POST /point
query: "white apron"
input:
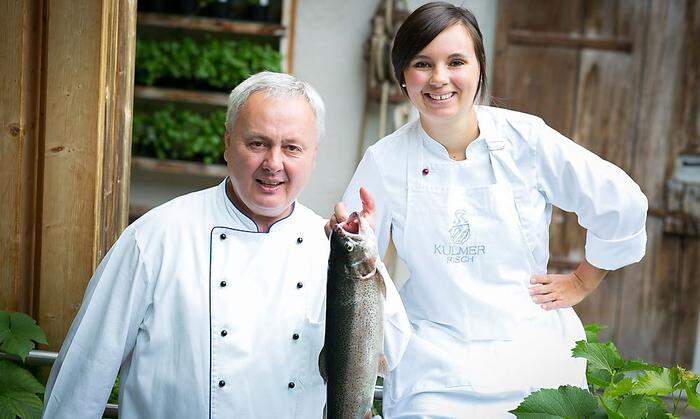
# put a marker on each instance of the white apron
(479, 343)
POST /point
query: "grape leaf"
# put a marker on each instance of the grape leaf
(634, 406)
(601, 356)
(564, 402)
(592, 331)
(600, 378)
(611, 406)
(638, 365)
(619, 389)
(689, 383)
(655, 383)
(18, 331)
(18, 390)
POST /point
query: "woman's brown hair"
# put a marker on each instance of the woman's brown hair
(423, 25)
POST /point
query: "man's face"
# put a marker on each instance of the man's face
(270, 154)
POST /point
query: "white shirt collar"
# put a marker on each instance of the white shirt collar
(486, 132)
(242, 221)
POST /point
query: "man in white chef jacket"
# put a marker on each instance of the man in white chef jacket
(212, 305)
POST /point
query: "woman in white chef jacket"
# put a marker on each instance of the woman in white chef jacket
(467, 193)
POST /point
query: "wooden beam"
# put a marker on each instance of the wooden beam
(210, 24)
(180, 167)
(568, 40)
(179, 95)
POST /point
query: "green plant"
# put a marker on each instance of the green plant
(18, 388)
(212, 63)
(618, 388)
(180, 134)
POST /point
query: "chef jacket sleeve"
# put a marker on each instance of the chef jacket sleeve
(608, 203)
(102, 334)
(397, 329)
(368, 176)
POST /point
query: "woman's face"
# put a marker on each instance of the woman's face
(442, 79)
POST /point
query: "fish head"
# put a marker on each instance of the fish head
(354, 241)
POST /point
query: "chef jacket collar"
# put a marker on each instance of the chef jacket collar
(242, 221)
(487, 134)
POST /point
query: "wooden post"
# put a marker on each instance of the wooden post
(19, 92)
(77, 152)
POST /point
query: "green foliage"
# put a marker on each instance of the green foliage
(181, 134)
(217, 64)
(377, 405)
(114, 394)
(18, 387)
(564, 402)
(17, 331)
(619, 388)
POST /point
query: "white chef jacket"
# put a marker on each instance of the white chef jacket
(489, 377)
(206, 317)
(609, 205)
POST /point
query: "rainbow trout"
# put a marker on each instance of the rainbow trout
(352, 354)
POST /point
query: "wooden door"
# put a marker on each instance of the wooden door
(621, 78)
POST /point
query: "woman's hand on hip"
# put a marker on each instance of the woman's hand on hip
(554, 291)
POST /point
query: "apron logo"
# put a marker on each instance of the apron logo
(460, 230)
(457, 251)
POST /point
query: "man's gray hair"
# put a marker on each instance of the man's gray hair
(276, 85)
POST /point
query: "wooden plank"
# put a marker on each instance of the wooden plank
(530, 88)
(210, 24)
(687, 136)
(19, 85)
(651, 305)
(119, 51)
(71, 161)
(603, 125)
(12, 293)
(178, 95)
(179, 167)
(648, 306)
(552, 39)
(561, 16)
(77, 128)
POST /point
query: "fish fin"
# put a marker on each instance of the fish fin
(368, 414)
(322, 365)
(382, 366)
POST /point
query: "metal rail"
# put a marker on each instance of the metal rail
(47, 358)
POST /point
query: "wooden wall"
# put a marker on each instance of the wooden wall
(619, 77)
(66, 112)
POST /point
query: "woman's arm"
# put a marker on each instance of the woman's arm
(609, 205)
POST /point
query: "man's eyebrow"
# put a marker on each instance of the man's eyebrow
(255, 136)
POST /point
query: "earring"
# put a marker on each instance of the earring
(403, 85)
